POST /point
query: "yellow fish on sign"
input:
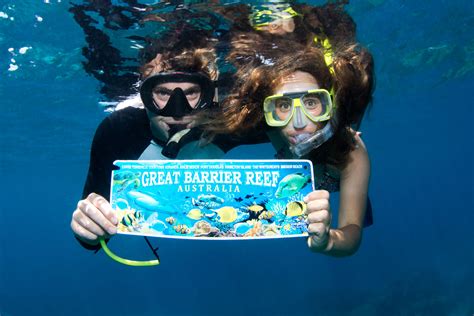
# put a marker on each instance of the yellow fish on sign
(295, 208)
(255, 208)
(266, 215)
(195, 214)
(227, 214)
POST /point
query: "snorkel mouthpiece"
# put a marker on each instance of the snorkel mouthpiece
(305, 143)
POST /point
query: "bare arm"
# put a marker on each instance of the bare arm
(345, 239)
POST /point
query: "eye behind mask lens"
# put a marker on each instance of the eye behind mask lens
(177, 105)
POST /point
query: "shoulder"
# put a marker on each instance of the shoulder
(128, 115)
(359, 161)
(124, 120)
(128, 123)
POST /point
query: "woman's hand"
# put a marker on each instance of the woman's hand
(319, 220)
(93, 218)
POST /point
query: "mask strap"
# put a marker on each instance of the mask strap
(328, 60)
(328, 53)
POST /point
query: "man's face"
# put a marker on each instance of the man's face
(163, 92)
(161, 125)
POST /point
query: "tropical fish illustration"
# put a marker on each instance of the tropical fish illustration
(170, 220)
(126, 181)
(291, 184)
(143, 200)
(195, 214)
(182, 229)
(266, 215)
(132, 220)
(227, 214)
(121, 177)
(208, 201)
(295, 208)
(242, 228)
(255, 208)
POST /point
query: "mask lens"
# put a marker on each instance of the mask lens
(283, 108)
(176, 94)
(162, 94)
(278, 110)
(316, 105)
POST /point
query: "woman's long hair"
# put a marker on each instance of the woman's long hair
(262, 64)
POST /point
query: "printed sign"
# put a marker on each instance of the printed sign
(212, 198)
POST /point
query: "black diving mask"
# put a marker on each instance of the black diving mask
(171, 101)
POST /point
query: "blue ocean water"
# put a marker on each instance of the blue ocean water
(416, 260)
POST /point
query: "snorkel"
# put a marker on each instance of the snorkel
(128, 262)
(306, 143)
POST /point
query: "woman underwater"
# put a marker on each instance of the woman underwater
(307, 98)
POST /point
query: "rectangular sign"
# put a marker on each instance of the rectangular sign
(211, 199)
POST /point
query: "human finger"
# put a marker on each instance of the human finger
(317, 229)
(88, 224)
(90, 217)
(323, 216)
(317, 205)
(316, 195)
(318, 236)
(104, 206)
(82, 233)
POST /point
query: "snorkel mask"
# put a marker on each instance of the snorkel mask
(299, 108)
(264, 15)
(177, 101)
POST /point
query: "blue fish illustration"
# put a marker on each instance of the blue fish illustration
(208, 201)
(291, 184)
(143, 200)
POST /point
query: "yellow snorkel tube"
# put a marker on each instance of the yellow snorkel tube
(133, 263)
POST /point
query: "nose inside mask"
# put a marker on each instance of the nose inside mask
(299, 119)
(177, 105)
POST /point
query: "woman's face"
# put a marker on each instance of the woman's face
(299, 124)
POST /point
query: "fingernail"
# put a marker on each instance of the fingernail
(114, 220)
(112, 230)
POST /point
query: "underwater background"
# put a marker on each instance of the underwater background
(417, 259)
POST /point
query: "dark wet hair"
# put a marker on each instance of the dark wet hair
(262, 60)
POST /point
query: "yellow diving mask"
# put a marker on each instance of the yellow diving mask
(315, 104)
